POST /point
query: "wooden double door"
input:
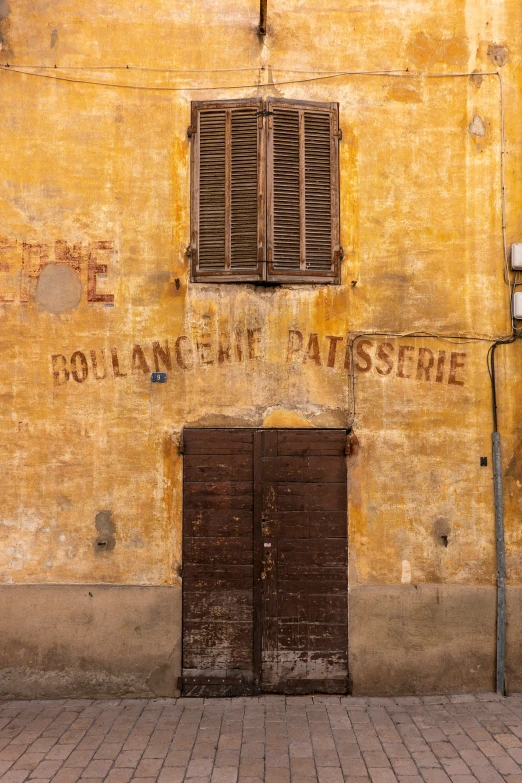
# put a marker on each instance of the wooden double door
(265, 584)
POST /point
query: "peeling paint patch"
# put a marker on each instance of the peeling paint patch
(5, 10)
(424, 50)
(477, 127)
(58, 288)
(406, 572)
(498, 54)
(476, 78)
(106, 530)
(403, 93)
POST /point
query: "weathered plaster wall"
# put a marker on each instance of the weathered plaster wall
(99, 175)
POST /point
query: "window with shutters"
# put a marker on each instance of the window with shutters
(265, 191)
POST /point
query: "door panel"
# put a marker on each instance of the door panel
(217, 562)
(264, 562)
(303, 551)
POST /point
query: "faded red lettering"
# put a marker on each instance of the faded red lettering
(403, 358)
(239, 344)
(204, 353)
(440, 367)
(94, 362)
(332, 348)
(384, 357)
(34, 258)
(64, 254)
(224, 349)
(116, 365)
(454, 366)
(94, 269)
(312, 351)
(60, 371)
(139, 362)
(161, 354)
(79, 375)
(348, 354)
(362, 354)
(253, 341)
(179, 352)
(295, 343)
(423, 369)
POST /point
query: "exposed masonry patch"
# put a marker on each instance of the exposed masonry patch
(477, 127)
(58, 288)
(498, 54)
(106, 530)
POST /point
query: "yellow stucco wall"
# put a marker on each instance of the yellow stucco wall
(106, 169)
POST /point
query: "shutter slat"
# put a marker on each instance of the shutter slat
(286, 241)
(303, 219)
(212, 191)
(318, 205)
(244, 184)
(227, 191)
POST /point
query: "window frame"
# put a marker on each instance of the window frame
(265, 217)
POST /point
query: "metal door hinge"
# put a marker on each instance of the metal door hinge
(338, 134)
(191, 131)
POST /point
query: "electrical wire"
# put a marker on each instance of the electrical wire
(491, 370)
(330, 75)
(323, 75)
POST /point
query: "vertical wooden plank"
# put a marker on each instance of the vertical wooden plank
(269, 184)
(217, 563)
(194, 202)
(302, 192)
(261, 203)
(305, 589)
(335, 205)
(258, 558)
(228, 189)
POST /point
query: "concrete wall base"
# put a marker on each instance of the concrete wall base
(89, 641)
(62, 641)
(421, 639)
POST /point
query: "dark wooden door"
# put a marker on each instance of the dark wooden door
(301, 541)
(265, 584)
(218, 562)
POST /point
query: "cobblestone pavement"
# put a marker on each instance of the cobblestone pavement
(434, 739)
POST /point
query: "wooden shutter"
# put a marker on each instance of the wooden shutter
(227, 214)
(303, 192)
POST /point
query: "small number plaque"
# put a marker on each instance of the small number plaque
(159, 377)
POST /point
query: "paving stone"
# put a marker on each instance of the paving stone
(172, 775)
(457, 739)
(97, 769)
(46, 769)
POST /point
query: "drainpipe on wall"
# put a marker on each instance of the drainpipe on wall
(499, 533)
(501, 564)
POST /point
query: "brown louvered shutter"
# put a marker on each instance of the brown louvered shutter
(227, 234)
(303, 192)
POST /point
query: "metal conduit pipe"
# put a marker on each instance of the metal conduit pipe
(499, 529)
(262, 16)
